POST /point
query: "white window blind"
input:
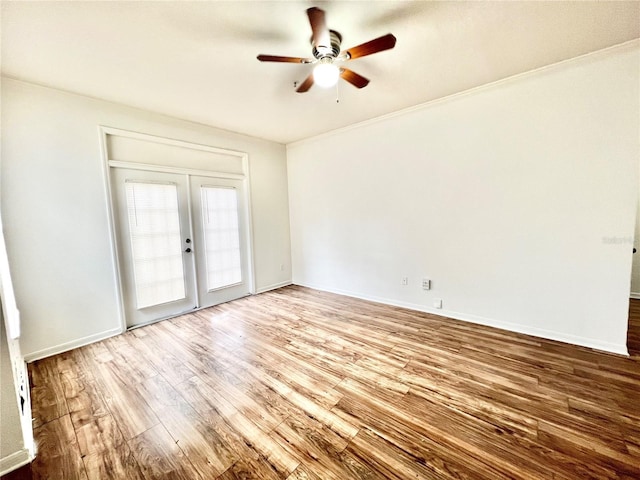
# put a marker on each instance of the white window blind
(221, 236)
(156, 243)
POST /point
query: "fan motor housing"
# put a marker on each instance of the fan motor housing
(320, 51)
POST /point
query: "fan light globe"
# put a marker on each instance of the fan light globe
(326, 75)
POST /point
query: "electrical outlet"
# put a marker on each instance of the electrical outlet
(426, 284)
(405, 280)
(437, 303)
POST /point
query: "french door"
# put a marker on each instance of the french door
(182, 242)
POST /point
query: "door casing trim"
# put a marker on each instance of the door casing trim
(107, 164)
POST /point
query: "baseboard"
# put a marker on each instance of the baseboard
(274, 286)
(634, 295)
(489, 322)
(14, 461)
(64, 347)
(50, 351)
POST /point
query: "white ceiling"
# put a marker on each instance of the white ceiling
(197, 60)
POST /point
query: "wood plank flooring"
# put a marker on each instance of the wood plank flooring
(303, 385)
(633, 334)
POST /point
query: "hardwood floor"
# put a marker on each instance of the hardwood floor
(633, 334)
(22, 473)
(303, 385)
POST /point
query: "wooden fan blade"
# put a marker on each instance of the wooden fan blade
(319, 28)
(353, 78)
(276, 58)
(306, 85)
(379, 44)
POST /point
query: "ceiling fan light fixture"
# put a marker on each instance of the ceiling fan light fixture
(327, 51)
(326, 75)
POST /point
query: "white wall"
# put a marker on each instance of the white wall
(512, 198)
(54, 208)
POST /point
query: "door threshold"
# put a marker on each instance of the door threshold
(151, 322)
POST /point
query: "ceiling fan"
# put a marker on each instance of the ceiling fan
(327, 55)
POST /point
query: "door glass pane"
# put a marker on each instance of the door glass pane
(156, 242)
(221, 236)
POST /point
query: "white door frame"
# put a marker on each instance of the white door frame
(109, 163)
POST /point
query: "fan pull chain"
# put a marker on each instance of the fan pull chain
(337, 93)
